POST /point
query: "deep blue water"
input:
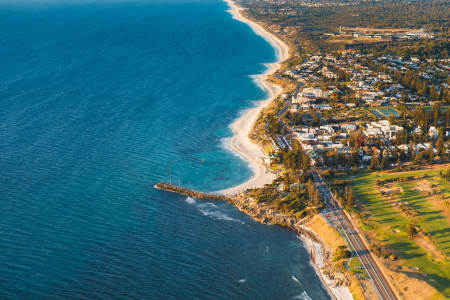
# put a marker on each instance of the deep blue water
(96, 99)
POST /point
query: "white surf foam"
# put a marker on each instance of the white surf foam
(242, 280)
(211, 210)
(219, 215)
(206, 205)
(295, 279)
(190, 200)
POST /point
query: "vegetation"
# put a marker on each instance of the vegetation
(436, 49)
(300, 198)
(412, 80)
(341, 253)
(406, 215)
(406, 223)
(304, 23)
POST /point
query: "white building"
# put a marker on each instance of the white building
(349, 127)
(382, 128)
(433, 132)
(315, 93)
(305, 136)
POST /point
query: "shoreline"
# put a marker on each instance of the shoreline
(240, 143)
(312, 241)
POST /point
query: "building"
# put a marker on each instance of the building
(313, 92)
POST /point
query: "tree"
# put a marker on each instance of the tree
(384, 162)
(306, 162)
(440, 142)
(310, 187)
(412, 151)
(352, 160)
(350, 198)
(433, 94)
(286, 181)
(430, 156)
(411, 231)
(436, 113)
(317, 198)
(374, 161)
(296, 145)
(398, 164)
(447, 118)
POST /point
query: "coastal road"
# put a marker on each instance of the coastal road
(338, 219)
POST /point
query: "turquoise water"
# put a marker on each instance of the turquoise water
(97, 98)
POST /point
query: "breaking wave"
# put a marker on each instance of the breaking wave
(216, 214)
(211, 210)
(190, 200)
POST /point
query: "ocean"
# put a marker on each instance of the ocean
(97, 99)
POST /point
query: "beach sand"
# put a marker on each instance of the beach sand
(240, 143)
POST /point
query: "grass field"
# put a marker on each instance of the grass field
(444, 108)
(356, 267)
(354, 264)
(388, 224)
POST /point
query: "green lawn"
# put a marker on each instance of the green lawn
(354, 264)
(444, 108)
(388, 224)
(430, 219)
(356, 267)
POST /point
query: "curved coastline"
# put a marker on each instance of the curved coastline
(240, 143)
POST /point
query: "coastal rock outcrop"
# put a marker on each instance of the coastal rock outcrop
(319, 251)
(262, 213)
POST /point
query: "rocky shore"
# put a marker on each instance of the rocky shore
(335, 280)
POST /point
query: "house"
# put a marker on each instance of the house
(309, 145)
(349, 127)
(327, 128)
(417, 130)
(433, 132)
(337, 146)
(295, 107)
(324, 106)
(366, 158)
(313, 92)
(329, 75)
(382, 128)
(301, 98)
(305, 136)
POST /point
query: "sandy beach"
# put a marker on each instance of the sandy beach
(240, 143)
(316, 250)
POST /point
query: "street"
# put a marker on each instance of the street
(337, 218)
